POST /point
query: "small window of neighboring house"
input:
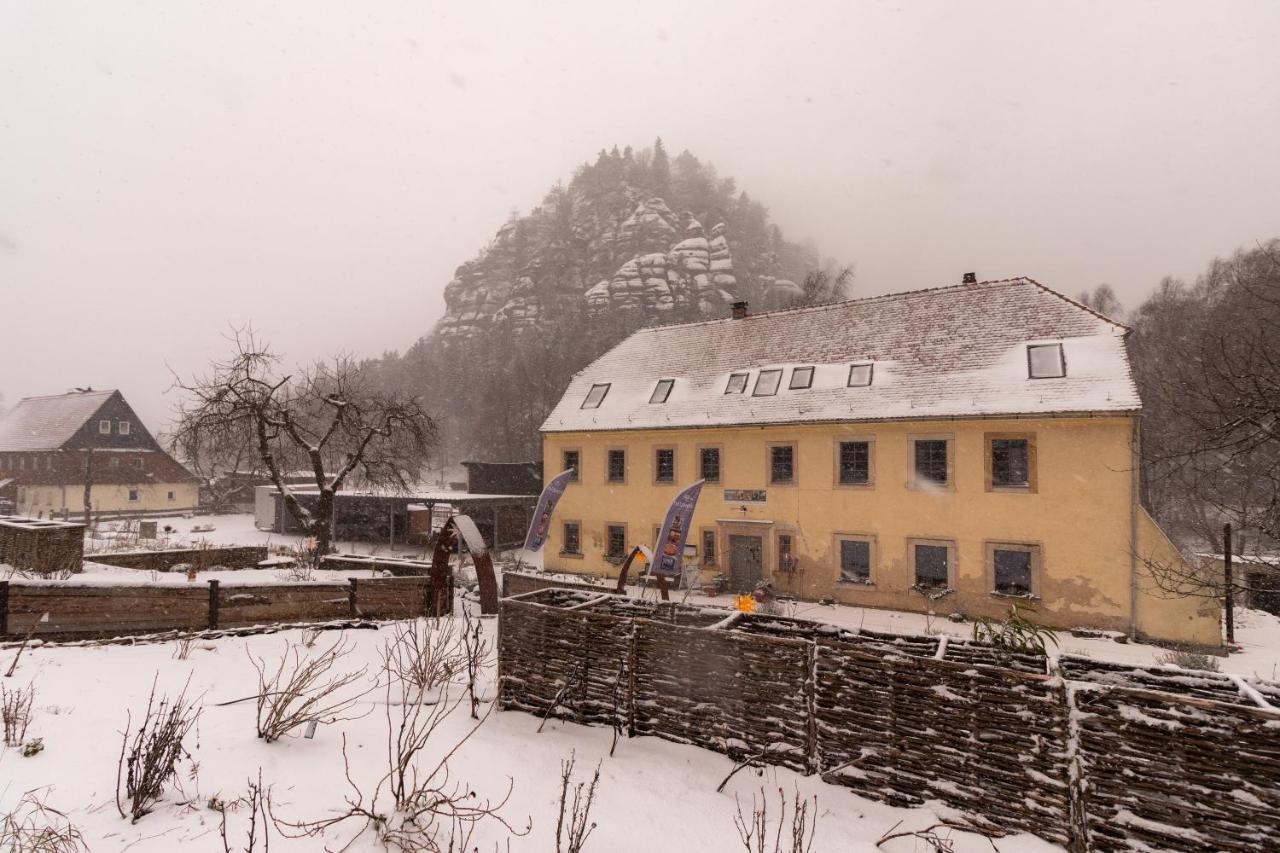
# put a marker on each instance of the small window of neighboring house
(932, 565)
(782, 463)
(133, 494)
(569, 462)
(786, 557)
(1046, 361)
(708, 547)
(137, 463)
(615, 541)
(662, 391)
(855, 561)
(115, 462)
(572, 538)
(709, 464)
(855, 463)
(104, 427)
(860, 375)
(801, 378)
(1010, 462)
(122, 427)
(1011, 568)
(737, 383)
(767, 383)
(617, 466)
(595, 396)
(931, 461)
(664, 465)
(170, 495)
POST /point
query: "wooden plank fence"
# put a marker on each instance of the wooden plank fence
(66, 610)
(1086, 754)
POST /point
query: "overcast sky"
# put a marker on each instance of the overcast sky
(168, 169)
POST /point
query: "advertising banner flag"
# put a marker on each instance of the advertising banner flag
(540, 524)
(668, 551)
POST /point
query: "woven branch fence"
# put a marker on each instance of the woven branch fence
(1089, 755)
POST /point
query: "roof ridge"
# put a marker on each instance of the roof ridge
(900, 294)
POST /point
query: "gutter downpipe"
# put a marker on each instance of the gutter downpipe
(1134, 485)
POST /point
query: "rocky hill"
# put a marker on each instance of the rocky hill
(635, 231)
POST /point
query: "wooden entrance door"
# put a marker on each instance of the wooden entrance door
(746, 562)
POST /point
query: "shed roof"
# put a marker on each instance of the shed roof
(945, 352)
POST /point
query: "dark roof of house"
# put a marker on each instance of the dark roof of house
(949, 352)
(47, 423)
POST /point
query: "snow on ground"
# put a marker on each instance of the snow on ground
(653, 795)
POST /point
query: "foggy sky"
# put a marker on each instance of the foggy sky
(170, 169)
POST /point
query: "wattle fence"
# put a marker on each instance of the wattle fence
(1089, 755)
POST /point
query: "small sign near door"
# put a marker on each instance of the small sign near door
(754, 496)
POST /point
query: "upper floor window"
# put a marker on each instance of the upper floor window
(595, 396)
(617, 466)
(1010, 461)
(569, 460)
(1046, 361)
(709, 464)
(662, 391)
(931, 461)
(737, 383)
(782, 464)
(104, 427)
(767, 383)
(664, 465)
(854, 463)
(122, 427)
(860, 375)
(801, 378)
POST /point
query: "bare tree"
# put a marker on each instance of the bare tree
(1103, 300)
(329, 419)
(825, 285)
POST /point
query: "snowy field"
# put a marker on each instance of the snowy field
(653, 795)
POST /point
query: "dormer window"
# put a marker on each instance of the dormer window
(860, 375)
(801, 378)
(1046, 361)
(767, 383)
(662, 391)
(595, 396)
(737, 383)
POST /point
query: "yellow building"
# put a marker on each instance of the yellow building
(950, 450)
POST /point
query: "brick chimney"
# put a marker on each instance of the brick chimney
(970, 278)
(739, 310)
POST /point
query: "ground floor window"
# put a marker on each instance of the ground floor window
(133, 494)
(615, 541)
(171, 495)
(1013, 568)
(933, 563)
(708, 547)
(855, 560)
(572, 538)
(786, 558)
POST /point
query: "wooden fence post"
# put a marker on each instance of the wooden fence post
(811, 707)
(213, 605)
(4, 608)
(351, 597)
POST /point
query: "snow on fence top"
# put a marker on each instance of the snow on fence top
(946, 352)
(1084, 754)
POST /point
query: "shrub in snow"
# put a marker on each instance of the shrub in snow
(149, 758)
(754, 829)
(301, 690)
(15, 711)
(1189, 660)
(36, 827)
(256, 803)
(1016, 633)
(572, 838)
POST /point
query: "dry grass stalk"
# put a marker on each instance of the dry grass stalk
(182, 647)
(754, 829)
(16, 711)
(573, 838)
(149, 760)
(302, 690)
(36, 827)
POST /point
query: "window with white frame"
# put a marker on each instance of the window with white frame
(122, 427)
(104, 427)
(1046, 361)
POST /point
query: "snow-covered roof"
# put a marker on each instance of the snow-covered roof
(47, 423)
(957, 351)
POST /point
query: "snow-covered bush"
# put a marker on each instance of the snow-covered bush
(1189, 660)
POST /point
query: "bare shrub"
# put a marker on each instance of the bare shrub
(149, 760)
(754, 829)
(573, 838)
(306, 559)
(16, 711)
(256, 802)
(182, 647)
(1189, 660)
(422, 655)
(475, 652)
(414, 808)
(36, 827)
(302, 690)
(938, 842)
